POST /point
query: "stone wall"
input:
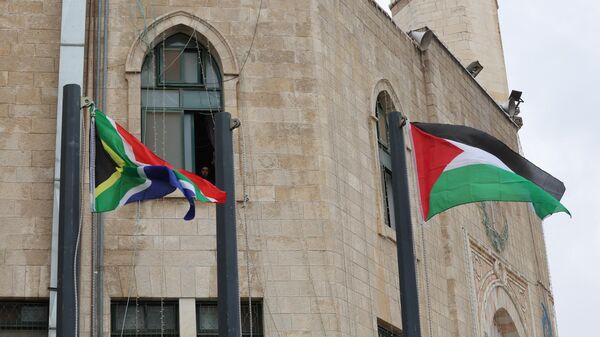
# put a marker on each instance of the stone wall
(29, 31)
(469, 28)
(317, 248)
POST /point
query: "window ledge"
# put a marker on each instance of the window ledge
(178, 195)
(387, 232)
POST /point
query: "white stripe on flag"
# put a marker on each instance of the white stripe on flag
(471, 156)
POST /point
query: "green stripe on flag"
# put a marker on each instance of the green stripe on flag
(482, 182)
(109, 199)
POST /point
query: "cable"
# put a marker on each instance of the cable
(253, 38)
(82, 157)
(133, 256)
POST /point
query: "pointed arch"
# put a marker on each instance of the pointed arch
(500, 302)
(165, 26)
(384, 85)
(183, 22)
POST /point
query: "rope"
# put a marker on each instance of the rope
(245, 225)
(253, 38)
(421, 221)
(132, 272)
(161, 201)
(264, 248)
(82, 157)
(137, 218)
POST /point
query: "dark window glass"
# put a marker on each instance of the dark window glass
(382, 107)
(23, 318)
(146, 318)
(389, 198)
(387, 330)
(181, 92)
(207, 319)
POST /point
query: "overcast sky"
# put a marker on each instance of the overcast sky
(552, 52)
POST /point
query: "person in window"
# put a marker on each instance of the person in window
(205, 172)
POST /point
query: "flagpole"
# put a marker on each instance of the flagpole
(69, 214)
(409, 296)
(228, 303)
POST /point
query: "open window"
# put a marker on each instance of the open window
(181, 92)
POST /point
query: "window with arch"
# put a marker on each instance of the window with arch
(382, 107)
(181, 92)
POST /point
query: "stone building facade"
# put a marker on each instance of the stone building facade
(315, 248)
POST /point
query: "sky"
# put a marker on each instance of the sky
(552, 54)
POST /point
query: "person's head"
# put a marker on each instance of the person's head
(204, 171)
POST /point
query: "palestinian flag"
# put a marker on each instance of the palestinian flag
(123, 170)
(458, 165)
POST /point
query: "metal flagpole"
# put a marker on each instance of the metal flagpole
(409, 297)
(69, 212)
(227, 262)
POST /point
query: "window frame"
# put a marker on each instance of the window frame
(256, 304)
(139, 332)
(385, 158)
(153, 66)
(385, 329)
(22, 325)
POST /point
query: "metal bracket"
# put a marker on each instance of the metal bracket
(235, 123)
(86, 102)
(403, 120)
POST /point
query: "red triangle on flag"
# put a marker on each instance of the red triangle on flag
(432, 155)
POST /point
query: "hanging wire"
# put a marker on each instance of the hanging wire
(82, 161)
(243, 150)
(160, 201)
(137, 219)
(265, 279)
(253, 37)
(132, 270)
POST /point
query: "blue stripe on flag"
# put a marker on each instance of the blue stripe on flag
(164, 181)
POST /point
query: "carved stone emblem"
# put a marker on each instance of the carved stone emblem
(497, 237)
(490, 271)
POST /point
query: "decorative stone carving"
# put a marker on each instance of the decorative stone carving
(497, 238)
(490, 272)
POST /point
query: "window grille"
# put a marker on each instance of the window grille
(207, 320)
(145, 319)
(382, 107)
(387, 330)
(23, 318)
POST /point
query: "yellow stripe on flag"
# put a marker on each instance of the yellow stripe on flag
(115, 176)
(108, 182)
(115, 157)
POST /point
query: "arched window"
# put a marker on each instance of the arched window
(382, 107)
(181, 92)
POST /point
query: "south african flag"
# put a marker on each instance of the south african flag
(123, 170)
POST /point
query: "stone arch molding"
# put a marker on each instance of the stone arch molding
(181, 21)
(166, 25)
(498, 298)
(384, 85)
